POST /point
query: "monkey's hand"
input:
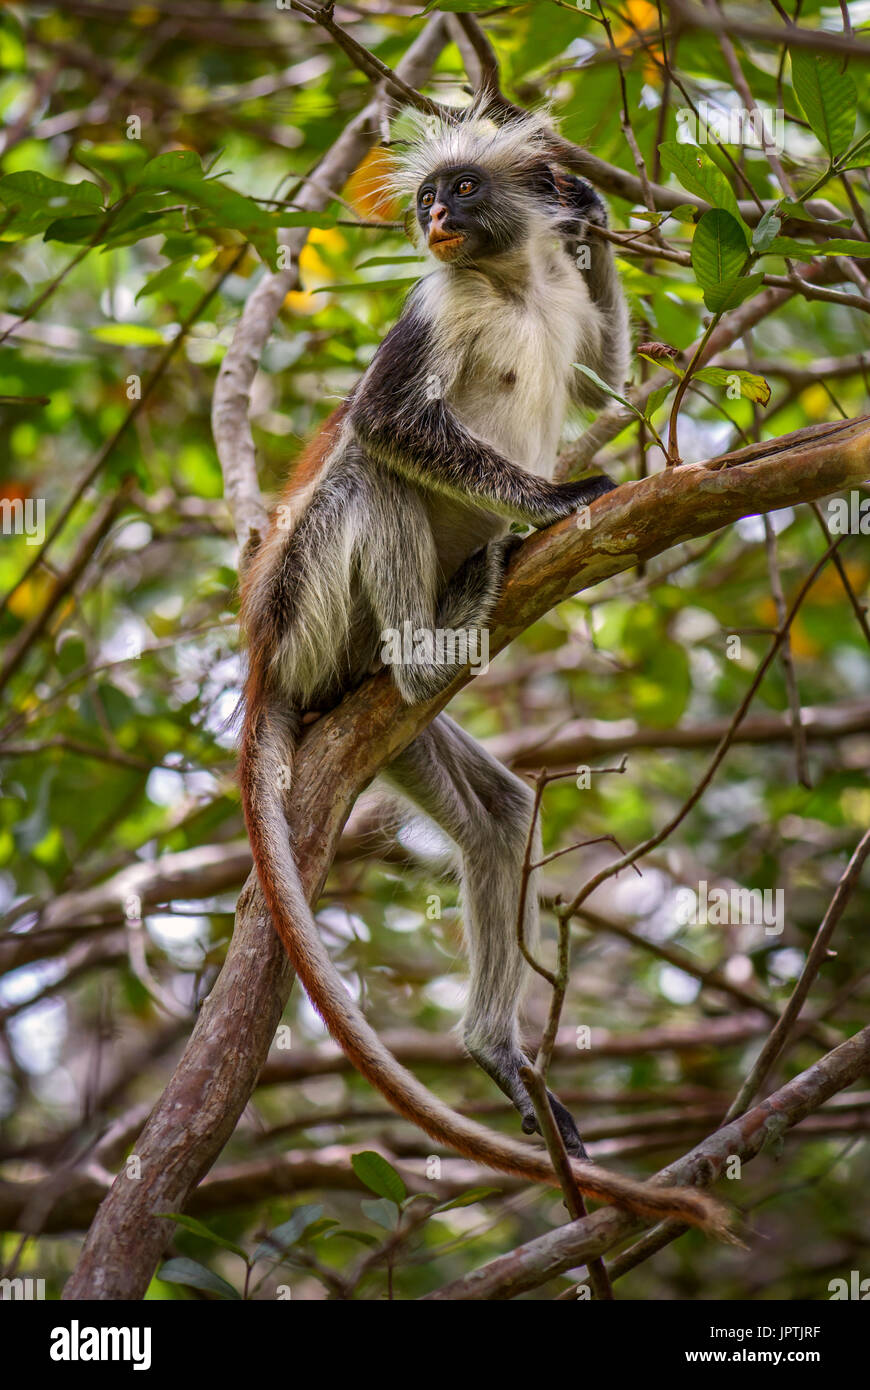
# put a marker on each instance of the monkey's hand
(581, 198)
(586, 209)
(568, 498)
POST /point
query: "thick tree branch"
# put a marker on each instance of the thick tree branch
(342, 753)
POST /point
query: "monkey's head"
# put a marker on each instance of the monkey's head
(461, 213)
(480, 189)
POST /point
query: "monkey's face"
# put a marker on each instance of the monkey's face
(462, 215)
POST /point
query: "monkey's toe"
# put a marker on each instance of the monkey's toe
(565, 1123)
(568, 1130)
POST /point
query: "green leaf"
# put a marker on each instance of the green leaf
(608, 390)
(398, 259)
(129, 335)
(697, 173)
(30, 187)
(730, 293)
(118, 162)
(322, 1227)
(658, 397)
(38, 200)
(165, 169)
(379, 1176)
(288, 1233)
(198, 1228)
(788, 208)
(143, 215)
(383, 1212)
(192, 1273)
(805, 250)
(828, 98)
(766, 230)
(13, 54)
(74, 230)
(164, 279)
(719, 248)
(753, 387)
(180, 172)
(462, 6)
(363, 1237)
(684, 212)
(466, 1199)
(358, 286)
(323, 221)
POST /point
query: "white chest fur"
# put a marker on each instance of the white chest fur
(507, 341)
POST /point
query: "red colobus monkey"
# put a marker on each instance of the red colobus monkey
(399, 512)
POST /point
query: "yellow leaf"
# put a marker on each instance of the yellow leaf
(314, 271)
(366, 191)
(828, 588)
(642, 17)
(816, 402)
(304, 301)
(29, 597)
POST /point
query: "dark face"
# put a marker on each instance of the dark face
(458, 211)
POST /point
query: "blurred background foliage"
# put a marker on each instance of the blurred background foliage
(117, 734)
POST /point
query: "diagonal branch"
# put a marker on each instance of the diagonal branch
(816, 957)
(341, 754)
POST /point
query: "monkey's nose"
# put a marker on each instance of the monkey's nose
(437, 214)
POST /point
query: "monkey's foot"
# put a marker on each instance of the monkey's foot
(567, 1128)
(596, 486)
(505, 547)
(503, 1064)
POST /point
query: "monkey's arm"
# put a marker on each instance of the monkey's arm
(402, 420)
(606, 352)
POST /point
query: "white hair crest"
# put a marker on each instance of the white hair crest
(509, 147)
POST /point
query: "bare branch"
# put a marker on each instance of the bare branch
(778, 1039)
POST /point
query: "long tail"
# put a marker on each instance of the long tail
(269, 744)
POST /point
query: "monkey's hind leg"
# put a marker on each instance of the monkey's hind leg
(486, 811)
(399, 574)
(470, 596)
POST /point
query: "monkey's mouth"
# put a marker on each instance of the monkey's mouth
(444, 244)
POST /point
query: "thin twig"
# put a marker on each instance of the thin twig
(818, 953)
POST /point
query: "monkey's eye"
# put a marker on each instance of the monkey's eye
(427, 198)
(466, 186)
